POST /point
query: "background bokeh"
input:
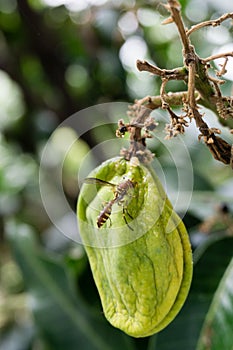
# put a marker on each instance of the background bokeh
(57, 59)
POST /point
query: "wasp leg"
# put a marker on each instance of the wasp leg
(129, 214)
(124, 216)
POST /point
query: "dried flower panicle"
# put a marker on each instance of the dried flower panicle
(147, 125)
(225, 107)
(140, 127)
(145, 156)
(176, 126)
(150, 124)
(208, 137)
(202, 87)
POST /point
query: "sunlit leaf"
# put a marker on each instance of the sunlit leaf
(217, 331)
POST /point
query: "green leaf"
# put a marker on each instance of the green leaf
(217, 331)
(184, 331)
(17, 336)
(64, 322)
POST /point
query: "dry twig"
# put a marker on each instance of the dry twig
(213, 23)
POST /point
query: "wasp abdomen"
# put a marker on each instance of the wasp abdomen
(105, 214)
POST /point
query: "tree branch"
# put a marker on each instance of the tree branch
(174, 74)
(213, 23)
(215, 57)
(174, 8)
(200, 85)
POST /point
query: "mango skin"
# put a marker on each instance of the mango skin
(143, 275)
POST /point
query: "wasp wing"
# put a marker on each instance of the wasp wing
(94, 180)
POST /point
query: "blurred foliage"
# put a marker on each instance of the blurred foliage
(58, 58)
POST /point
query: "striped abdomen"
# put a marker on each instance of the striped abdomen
(105, 213)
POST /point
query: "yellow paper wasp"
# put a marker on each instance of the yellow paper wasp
(120, 191)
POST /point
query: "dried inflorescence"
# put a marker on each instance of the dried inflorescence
(203, 89)
(224, 107)
(175, 128)
(140, 127)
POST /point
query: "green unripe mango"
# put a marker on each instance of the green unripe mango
(141, 264)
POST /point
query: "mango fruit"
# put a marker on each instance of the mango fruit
(140, 257)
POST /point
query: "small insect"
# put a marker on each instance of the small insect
(120, 191)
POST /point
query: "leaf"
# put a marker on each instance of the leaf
(217, 331)
(64, 322)
(184, 331)
(17, 336)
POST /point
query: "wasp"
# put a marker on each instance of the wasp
(120, 191)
